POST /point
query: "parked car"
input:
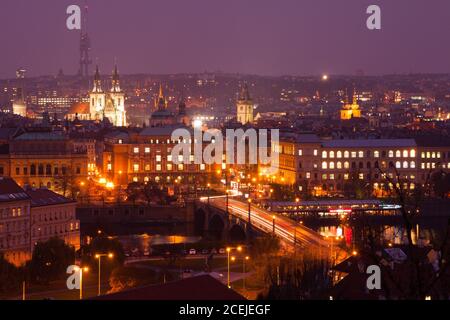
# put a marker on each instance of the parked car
(192, 251)
(222, 251)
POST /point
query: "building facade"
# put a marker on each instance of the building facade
(244, 106)
(45, 159)
(332, 167)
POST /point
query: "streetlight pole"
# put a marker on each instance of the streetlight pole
(228, 263)
(85, 269)
(99, 257)
(228, 269)
(243, 269)
(249, 211)
(273, 225)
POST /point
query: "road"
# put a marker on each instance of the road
(286, 229)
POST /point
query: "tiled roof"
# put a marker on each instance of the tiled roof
(45, 197)
(40, 136)
(162, 131)
(202, 287)
(374, 143)
(11, 191)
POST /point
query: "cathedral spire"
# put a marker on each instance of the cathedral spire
(162, 102)
(115, 80)
(97, 81)
(244, 94)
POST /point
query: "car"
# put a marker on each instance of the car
(192, 251)
(222, 250)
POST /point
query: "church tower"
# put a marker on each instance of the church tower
(118, 99)
(350, 110)
(97, 98)
(244, 106)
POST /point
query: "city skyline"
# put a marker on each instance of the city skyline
(233, 37)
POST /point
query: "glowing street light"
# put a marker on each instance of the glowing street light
(239, 248)
(82, 270)
(99, 257)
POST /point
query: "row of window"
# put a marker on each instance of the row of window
(346, 176)
(346, 165)
(11, 212)
(360, 154)
(41, 170)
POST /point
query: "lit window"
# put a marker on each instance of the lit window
(169, 167)
(405, 153)
(181, 167)
(300, 152)
(135, 167)
(180, 158)
(109, 167)
(339, 165)
(202, 166)
(412, 165)
(398, 165)
(361, 154)
(361, 176)
(353, 154)
(331, 165)
(433, 155)
(169, 157)
(158, 167)
(147, 150)
(405, 164)
(332, 176)
(376, 154)
(331, 154)
(324, 165)
(346, 154)
(422, 155)
(135, 179)
(428, 155)
(438, 155)
(136, 150)
(398, 154)
(339, 154)
(315, 152)
(308, 175)
(147, 167)
(412, 153)
(346, 165)
(391, 154)
(158, 158)
(324, 154)
(345, 176)
(324, 177)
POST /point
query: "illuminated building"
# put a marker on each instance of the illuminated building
(29, 216)
(350, 110)
(146, 157)
(44, 158)
(334, 166)
(15, 205)
(244, 106)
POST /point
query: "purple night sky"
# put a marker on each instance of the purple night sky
(269, 37)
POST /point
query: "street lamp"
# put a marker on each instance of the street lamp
(209, 191)
(246, 258)
(99, 257)
(249, 211)
(273, 224)
(239, 248)
(81, 270)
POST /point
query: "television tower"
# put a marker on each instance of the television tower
(85, 47)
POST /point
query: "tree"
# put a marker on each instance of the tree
(10, 276)
(298, 279)
(440, 182)
(50, 260)
(133, 191)
(123, 278)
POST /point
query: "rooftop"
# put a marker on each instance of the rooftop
(40, 136)
(203, 287)
(11, 191)
(374, 143)
(44, 197)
